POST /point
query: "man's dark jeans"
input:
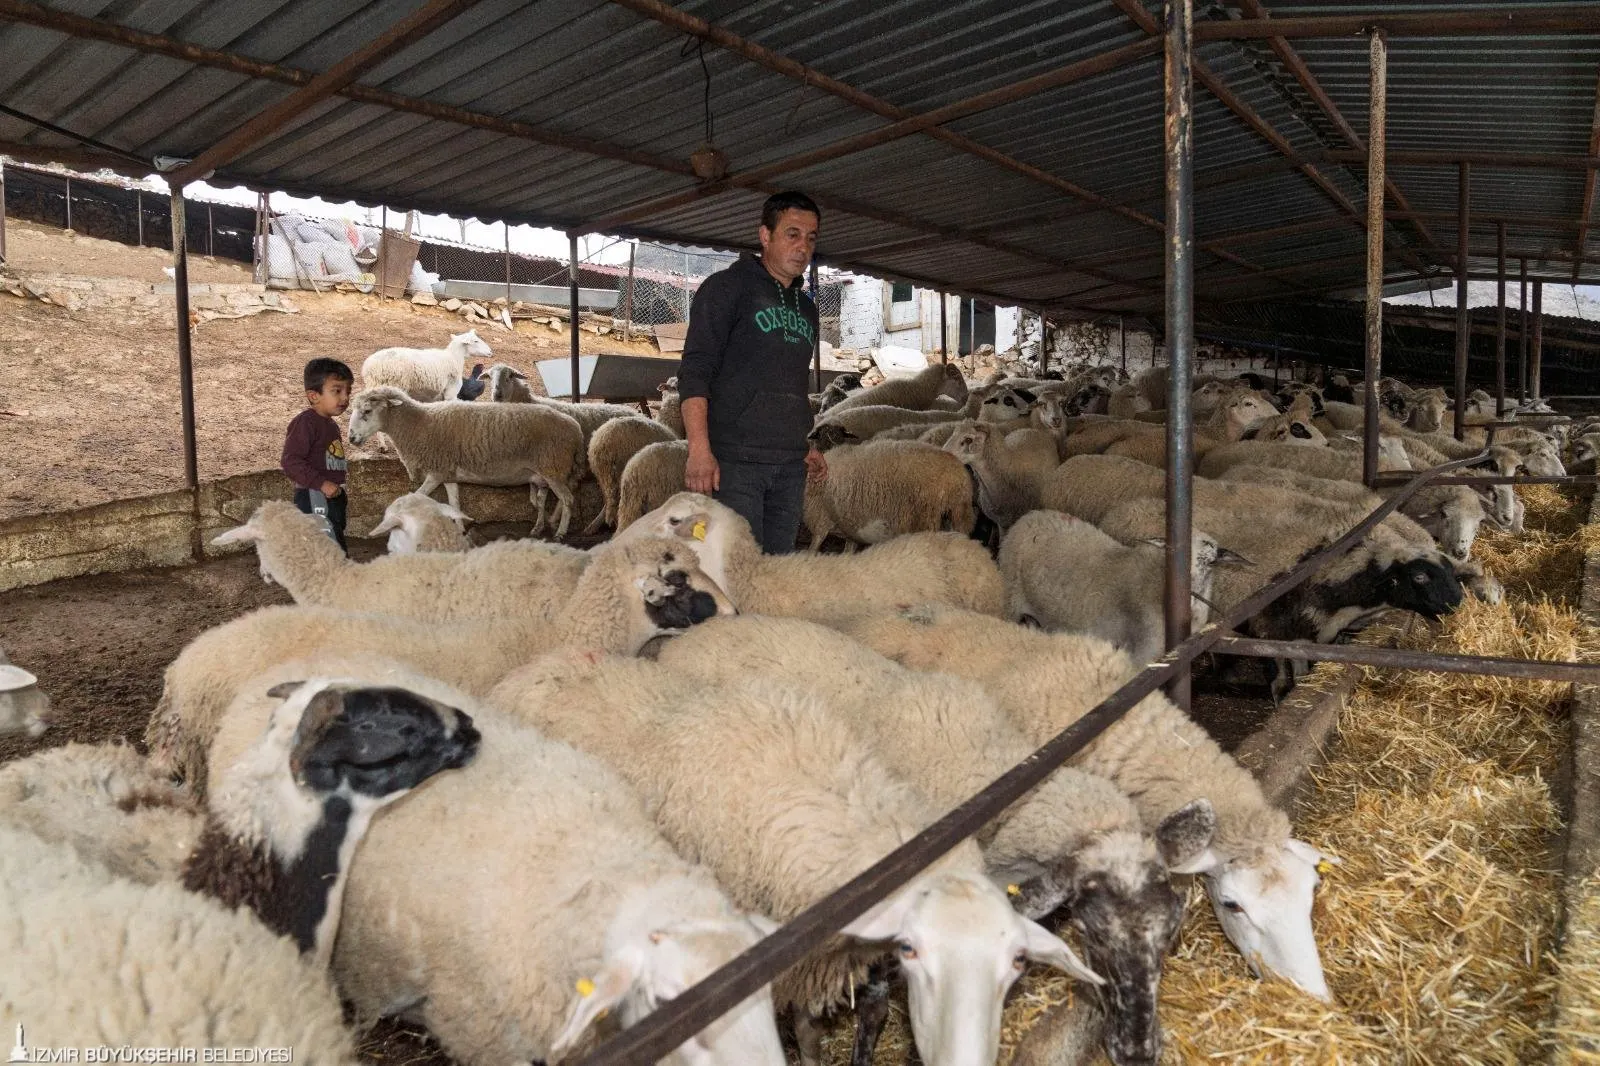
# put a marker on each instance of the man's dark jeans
(770, 496)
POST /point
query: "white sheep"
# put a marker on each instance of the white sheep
(650, 478)
(567, 884)
(417, 523)
(915, 568)
(1069, 577)
(482, 444)
(1075, 838)
(424, 374)
(509, 385)
(107, 804)
(241, 958)
(610, 448)
(873, 419)
(877, 490)
(1260, 880)
(1011, 469)
(24, 708)
(670, 413)
(629, 593)
(784, 804)
(916, 392)
(1319, 462)
(524, 579)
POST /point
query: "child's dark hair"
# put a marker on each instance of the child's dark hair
(318, 371)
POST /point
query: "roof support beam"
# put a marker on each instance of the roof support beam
(395, 39)
(1509, 160)
(1135, 11)
(155, 44)
(1486, 22)
(1297, 67)
(904, 123)
(1586, 213)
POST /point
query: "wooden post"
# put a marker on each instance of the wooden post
(627, 295)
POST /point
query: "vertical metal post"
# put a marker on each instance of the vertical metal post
(1500, 321)
(69, 203)
(507, 224)
(1463, 314)
(816, 341)
(211, 234)
(180, 279)
(1536, 354)
(572, 302)
(1377, 138)
(138, 203)
(1122, 341)
(627, 295)
(1179, 127)
(383, 238)
(1522, 338)
(2, 212)
(1044, 341)
(944, 327)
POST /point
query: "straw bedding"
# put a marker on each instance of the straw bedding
(1436, 931)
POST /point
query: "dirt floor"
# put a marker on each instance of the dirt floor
(95, 398)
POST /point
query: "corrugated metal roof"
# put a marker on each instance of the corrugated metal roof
(915, 207)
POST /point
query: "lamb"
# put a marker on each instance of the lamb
(24, 708)
(1260, 880)
(916, 392)
(915, 568)
(424, 374)
(670, 413)
(528, 822)
(288, 814)
(879, 490)
(1295, 426)
(482, 444)
(509, 385)
(784, 803)
(611, 447)
(508, 580)
(1065, 575)
(629, 594)
(417, 523)
(1073, 831)
(1011, 477)
(649, 479)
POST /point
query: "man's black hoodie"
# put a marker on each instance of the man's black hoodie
(748, 352)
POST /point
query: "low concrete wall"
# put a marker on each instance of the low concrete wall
(159, 530)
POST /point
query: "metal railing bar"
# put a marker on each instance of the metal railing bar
(1406, 659)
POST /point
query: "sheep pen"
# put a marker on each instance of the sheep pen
(1213, 1010)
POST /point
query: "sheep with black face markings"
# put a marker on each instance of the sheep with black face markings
(482, 444)
(628, 594)
(1260, 880)
(1074, 841)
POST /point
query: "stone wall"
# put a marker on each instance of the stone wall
(141, 299)
(160, 530)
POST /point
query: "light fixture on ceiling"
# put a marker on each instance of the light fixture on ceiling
(707, 161)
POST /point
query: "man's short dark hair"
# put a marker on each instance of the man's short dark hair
(318, 371)
(780, 202)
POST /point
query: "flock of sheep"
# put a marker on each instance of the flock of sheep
(580, 781)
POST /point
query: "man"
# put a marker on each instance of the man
(744, 379)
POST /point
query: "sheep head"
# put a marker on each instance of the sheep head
(370, 407)
(471, 345)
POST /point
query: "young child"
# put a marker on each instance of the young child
(313, 450)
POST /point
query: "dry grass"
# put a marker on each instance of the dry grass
(1575, 1029)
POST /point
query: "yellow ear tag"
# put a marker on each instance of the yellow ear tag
(699, 531)
(1013, 890)
(585, 987)
(1324, 867)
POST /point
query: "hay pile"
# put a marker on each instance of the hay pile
(1575, 1029)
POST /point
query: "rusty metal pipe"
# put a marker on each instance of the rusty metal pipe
(1500, 322)
(1179, 128)
(572, 306)
(1406, 659)
(1377, 122)
(1493, 22)
(1463, 319)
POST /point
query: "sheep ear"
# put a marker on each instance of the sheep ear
(763, 925)
(389, 522)
(284, 689)
(1045, 947)
(395, 401)
(1201, 862)
(1186, 832)
(245, 534)
(598, 995)
(883, 922)
(1229, 557)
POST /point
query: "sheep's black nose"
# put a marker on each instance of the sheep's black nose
(702, 605)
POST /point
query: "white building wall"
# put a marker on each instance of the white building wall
(861, 313)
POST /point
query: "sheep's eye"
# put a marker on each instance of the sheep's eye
(1020, 961)
(906, 950)
(1232, 907)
